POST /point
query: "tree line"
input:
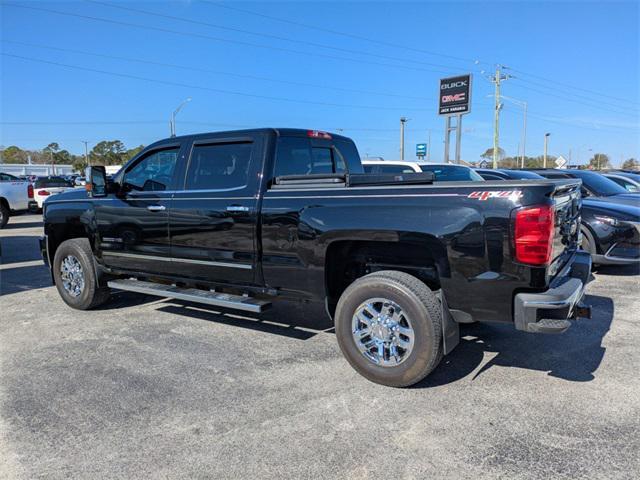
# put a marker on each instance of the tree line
(106, 152)
(599, 161)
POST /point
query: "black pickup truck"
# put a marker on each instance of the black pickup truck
(242, 219)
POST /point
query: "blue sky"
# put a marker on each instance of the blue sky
(575, 63)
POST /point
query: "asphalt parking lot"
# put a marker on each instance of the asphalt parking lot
(150, 388)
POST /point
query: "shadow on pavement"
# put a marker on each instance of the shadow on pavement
(12, 225)
(288, 319)
(21, 279)
(574, 355)
(19, 248)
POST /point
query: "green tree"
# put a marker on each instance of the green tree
(599, 161)
(108, 152)
(132, 152)
(488, 154)
(13, 154)
(631, 164)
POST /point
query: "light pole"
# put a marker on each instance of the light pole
(403, 120)
(173, 116)
(546, 145)
(86, 152)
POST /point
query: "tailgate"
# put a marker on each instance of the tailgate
(567, 202)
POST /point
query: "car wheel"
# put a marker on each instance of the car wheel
(389, 328)
(75, 276)
(4, 214)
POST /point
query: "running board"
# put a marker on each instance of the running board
(235, 302)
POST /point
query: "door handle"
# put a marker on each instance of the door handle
(156, 208)
(237, 208)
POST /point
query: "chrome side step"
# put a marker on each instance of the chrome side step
(235, 302)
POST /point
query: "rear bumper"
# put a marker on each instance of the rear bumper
(549, 311)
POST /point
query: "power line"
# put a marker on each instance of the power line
(343, 34)
(216, 72)
(267, 35)
(403, 47)
(575, 95)
(572, 100)
(210, 89)
(556, 82)
(220, 39)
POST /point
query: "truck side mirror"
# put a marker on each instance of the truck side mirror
(96, 181)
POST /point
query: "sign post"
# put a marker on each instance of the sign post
(421, 150)
(454, 100)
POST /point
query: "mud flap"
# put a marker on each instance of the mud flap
(450, 328)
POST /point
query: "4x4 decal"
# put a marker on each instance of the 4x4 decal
(485, 195)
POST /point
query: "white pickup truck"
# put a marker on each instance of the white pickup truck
(14, 196)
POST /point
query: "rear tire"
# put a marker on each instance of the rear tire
(421, 313)
(4, 214)
(75, 276)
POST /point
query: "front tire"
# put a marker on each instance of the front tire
(4, 214)
(389, 328)
(75, 276)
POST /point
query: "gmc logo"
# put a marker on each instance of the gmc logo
(458, 97)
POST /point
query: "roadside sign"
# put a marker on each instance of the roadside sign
(561, 162)
(455, 95)
(484, 164)
(421, 149)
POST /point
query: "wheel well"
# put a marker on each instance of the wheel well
(349, 260)
(4, 202)
(586, 230)
(60, 233)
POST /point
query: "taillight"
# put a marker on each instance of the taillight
(318, 134)
(534, 228)
(43, 193)
(30, 191)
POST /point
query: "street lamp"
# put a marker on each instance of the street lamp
(546, 144)
(173, 116)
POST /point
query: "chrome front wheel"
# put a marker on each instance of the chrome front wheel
(72, 275)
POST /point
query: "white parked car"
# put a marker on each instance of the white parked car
(390, 166)
(45, 187)
(14, 196)
(443, 172)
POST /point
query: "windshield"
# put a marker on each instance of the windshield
(52, 182)
(599, 184)
(452, 173)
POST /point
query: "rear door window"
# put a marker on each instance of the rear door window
(219, 166)
(296, 156)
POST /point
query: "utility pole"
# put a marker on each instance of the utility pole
(496, 80)
(403, 120)
(546, 144)
(524, 134)
(86, 152)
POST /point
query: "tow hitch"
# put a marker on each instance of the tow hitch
(582, 311)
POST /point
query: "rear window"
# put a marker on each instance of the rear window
(452, 173)
(297, 156)
(52, 182)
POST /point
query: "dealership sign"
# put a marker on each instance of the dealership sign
(455, 95)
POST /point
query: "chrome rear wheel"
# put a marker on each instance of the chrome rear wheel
(382, 332)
